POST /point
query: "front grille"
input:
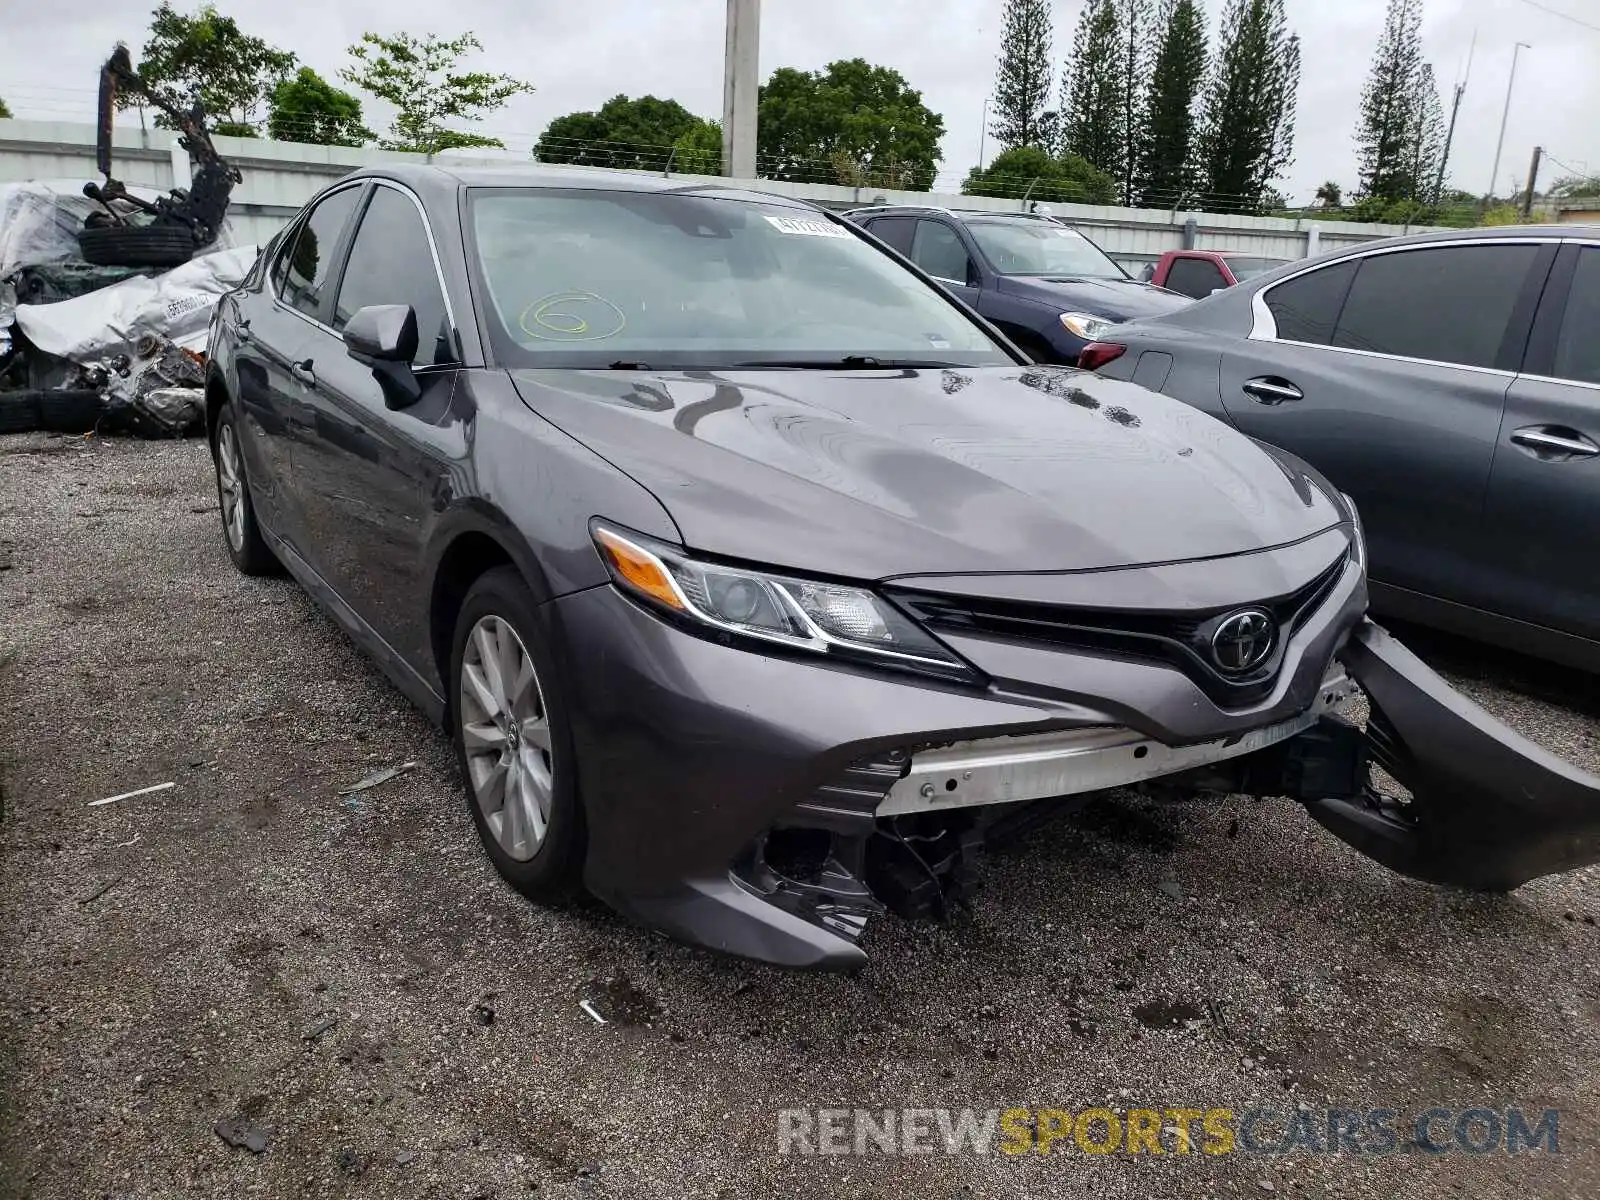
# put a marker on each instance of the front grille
(1180, 639)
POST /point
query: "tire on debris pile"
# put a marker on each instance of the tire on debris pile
(70, 410)
(61, 410)
(19, 412)
(136, 245)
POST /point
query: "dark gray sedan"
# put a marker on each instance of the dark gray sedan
(1450, 383)
(759, 583)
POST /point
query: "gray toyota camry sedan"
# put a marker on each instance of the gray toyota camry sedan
(760, 583)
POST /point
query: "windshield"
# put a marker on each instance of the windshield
(673, 280)
(1042, 248)
(1245, 266)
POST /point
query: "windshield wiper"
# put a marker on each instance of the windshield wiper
(627, 364)
(848, 362)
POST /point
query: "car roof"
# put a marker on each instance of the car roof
(960, 214)
(441, 180)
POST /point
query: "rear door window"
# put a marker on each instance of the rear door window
(1194, 277)
(1447, 304)
(1306, 308)
(308, 260)
(1578, 344)
(894, 230)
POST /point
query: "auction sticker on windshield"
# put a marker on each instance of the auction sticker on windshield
(809, 228)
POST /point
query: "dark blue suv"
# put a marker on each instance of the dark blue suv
(1049, 288)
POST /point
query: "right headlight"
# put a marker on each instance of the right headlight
(832, 619)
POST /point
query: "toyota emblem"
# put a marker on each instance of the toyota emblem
(1243, 640)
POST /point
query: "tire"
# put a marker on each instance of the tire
(527, 757)
(19, 412)
(136, 245)
(70, 410)
(240, 533)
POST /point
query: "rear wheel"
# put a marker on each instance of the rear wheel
(246, 546)
(513, 739)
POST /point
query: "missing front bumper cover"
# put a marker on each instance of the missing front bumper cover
(1487, 810)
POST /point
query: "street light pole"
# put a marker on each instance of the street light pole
(1504, 113)
(983, 129)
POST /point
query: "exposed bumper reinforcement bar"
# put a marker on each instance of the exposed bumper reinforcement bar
(1069, 762)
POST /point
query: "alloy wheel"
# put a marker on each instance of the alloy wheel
(230, 481)
(505, 734)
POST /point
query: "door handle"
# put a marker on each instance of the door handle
(304, 372)
(1271, 390)
(1555, 442)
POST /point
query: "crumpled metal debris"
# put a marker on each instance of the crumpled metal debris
(175, 306)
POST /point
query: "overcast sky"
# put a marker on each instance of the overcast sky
(579, 54)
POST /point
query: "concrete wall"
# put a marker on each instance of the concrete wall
(279, 177)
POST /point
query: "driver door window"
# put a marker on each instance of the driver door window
(938, 251)
(391, 263)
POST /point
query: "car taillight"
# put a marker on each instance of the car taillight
(1097, 354)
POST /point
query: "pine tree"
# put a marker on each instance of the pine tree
(1094, 116)
(1135, 40)
(1023, 81)
(1166, 140)
(1246, 135)
(1427, 138)
(1387, 131)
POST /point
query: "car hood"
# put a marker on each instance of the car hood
(873, 474)
(1117, 299)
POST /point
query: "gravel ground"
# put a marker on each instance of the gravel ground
(348, 975)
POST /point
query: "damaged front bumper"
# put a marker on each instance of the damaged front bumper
(769, 807)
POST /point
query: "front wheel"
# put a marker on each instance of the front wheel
(513, 739)
(246, 546)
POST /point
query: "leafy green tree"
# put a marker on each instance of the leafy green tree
(868, 114)
(1065, 178)
(1573, 187)
(1165, 147)
(1246, 135)
(634, 134)
(422, 79)
(1390, 129)
(307, 108)
(699, 149)
(1094, 112)
(1023, 82)
(1330, 195)
(4, 111)
(207, 59)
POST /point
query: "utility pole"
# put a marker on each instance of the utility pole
(983, 130)
(1504, 113)
(1450, 133)
(741, 84)
(1533, 178)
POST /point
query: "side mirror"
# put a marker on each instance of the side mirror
(382, 333)
(385, 337)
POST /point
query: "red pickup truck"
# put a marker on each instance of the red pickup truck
(1198, 273)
